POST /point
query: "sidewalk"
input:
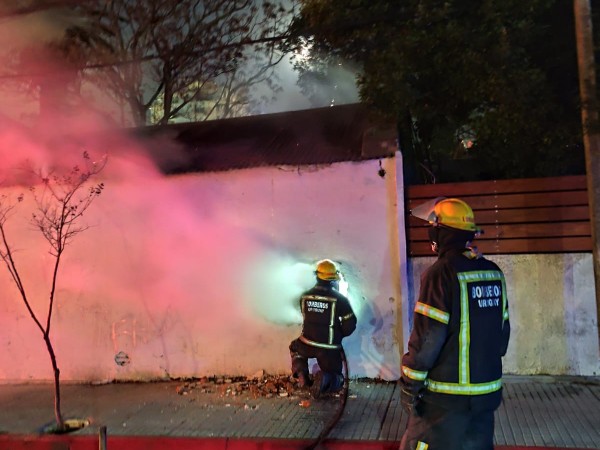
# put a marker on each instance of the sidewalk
(537, 412)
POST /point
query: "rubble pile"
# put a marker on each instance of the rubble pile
(258, 385)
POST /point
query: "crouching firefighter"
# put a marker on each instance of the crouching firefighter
(451, 375)
(327, 318)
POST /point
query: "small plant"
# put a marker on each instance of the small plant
(61, 198)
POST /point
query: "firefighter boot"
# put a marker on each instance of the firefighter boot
(331, 383)
(317, 383)
(300, 370)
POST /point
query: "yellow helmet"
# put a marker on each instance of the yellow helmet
(449, 212)
(327, 270)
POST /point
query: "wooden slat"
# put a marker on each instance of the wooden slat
(550, 184)
(564, 245)
(522, 230)
(530, 200)
(523, 215)
(535, 215)
(513, 246)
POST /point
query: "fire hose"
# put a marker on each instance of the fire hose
(338, 414)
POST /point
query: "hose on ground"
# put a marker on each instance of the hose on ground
(338, 414)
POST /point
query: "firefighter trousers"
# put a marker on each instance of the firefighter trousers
(438, 428)
(329, 360)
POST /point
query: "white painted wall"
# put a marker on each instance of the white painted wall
(552, 310)
(199, 274)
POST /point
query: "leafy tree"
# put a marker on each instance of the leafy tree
(325, 80)
(490, 87)
(61, 199)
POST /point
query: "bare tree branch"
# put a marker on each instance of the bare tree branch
(60, 205)
(151, 54)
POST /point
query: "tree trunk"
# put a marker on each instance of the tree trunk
(60, 423)
(139, 114)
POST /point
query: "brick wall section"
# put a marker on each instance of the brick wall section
(531, 215)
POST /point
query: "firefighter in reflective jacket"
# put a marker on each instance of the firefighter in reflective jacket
(327, 318)
(451, 375)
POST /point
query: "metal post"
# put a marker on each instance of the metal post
(102, 438)
(591, 131)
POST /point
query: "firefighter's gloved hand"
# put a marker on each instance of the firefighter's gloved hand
(410, 397)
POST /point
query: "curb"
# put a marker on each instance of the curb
(30, 442)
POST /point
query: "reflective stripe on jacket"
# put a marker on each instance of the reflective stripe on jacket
(460, 331)
(328, 316)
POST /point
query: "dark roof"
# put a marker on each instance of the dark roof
(314, 136)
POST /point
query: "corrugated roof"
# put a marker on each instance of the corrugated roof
(314, 136)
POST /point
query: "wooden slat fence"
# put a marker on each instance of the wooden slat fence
(530, 215)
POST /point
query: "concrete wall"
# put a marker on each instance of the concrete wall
(199, 274)
(552, 312)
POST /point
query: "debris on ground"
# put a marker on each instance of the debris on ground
(258, 385)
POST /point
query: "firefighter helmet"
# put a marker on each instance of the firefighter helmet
(448, 212)
(327, 270)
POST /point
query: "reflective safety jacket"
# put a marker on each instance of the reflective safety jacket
(328, 316)
(460, 332)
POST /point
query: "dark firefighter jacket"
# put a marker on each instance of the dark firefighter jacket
(460, 332)
(328, 316)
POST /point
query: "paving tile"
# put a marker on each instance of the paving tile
(537, 411)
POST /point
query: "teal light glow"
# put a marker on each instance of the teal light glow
(273, 287)
(275, 283)
(344, 285)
